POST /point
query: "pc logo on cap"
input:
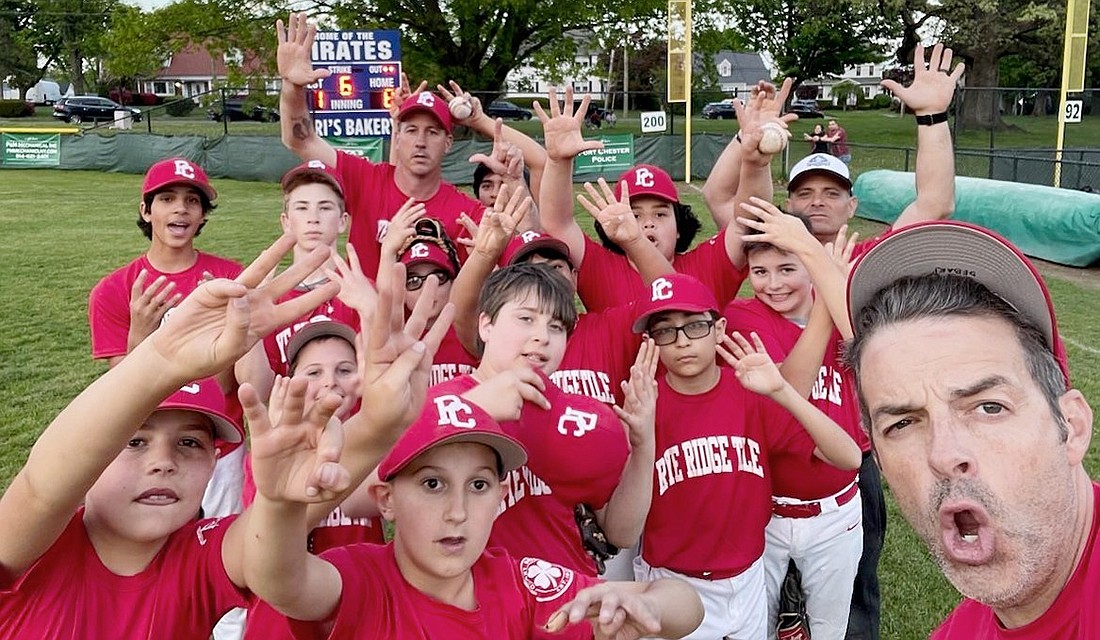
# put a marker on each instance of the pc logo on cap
(674, 292)
(177, 171)
(528, 242)
(428, 252)
(820, 163)
(205, 396)
(647, 180)
(322, 171)
(426, 102)
(447, 419)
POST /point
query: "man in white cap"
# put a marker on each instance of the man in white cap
(982, 447)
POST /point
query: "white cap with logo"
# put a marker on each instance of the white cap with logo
(820, 163)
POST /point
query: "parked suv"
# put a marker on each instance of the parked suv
(719, 110)
(507, 110)
(805, 108)
(235, 112)
(77, 109)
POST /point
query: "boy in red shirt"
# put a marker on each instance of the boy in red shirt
(441, 486)
(714, 434)
(99, 543)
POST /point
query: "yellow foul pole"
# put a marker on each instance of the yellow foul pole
(1073, 71)
(679, 68)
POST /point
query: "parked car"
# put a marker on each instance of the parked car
(235, 111)
(805, 108)
(77, 109)
(719, 110)
(507, 110)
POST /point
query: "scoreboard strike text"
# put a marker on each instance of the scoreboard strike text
(357, 87)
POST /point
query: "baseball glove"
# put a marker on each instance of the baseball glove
(793, 623)
(592, 536)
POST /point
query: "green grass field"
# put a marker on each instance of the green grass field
(64, 230)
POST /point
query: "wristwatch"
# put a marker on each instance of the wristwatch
(935, 118)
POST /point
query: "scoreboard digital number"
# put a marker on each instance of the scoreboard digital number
(357, 88)
(364, 74)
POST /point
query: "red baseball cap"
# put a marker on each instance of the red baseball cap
(427, 102)
(528, 242)
(953, 247)
(647, 180)
(675, 292)
(205, 396)
(177, 171)
(447, 419)
(429, 252)
(322, 171)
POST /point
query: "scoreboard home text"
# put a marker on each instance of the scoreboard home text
(364, 73)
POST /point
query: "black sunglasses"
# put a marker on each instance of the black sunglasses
(414, 282)
(693, 330)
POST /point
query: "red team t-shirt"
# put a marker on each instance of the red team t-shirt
(514, 597)
(598, 354)
(606, 279)
(68, 593)
(275, 343)
(109, 302)
(1072, 616)
(712, 494)
(451, 360)
(796, 472)
(372, 198)
(576, 453)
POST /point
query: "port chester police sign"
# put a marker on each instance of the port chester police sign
(364, 73)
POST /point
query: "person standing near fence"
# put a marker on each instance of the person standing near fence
(837, 138)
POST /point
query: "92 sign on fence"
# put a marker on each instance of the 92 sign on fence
(1071, 111)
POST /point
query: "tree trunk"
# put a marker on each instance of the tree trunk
(981, 105)
(76, 64)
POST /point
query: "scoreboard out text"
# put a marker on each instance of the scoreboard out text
(364, 74)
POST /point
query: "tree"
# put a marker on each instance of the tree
(811, 38)
(983, 32)
(477, 43)
(846, 91)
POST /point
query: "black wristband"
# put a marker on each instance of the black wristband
(935, 118)
(737, 136)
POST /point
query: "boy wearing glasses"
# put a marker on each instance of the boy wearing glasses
(423, 246)
(715, 427)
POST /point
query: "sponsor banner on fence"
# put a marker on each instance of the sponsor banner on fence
(616, 156)
(30, 149)
(369, 148)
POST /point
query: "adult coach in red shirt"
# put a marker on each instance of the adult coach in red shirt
(982, 447)
(374, 191)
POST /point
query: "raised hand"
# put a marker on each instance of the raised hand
(456, 91)
(841, 249)
(639, 408)
(356, 289)
(763, 107)
(295, 452)
(499, 223)
(293, 55)
(783, 230)
(933, 84)
(751, 363)
(396, 364)
(221, 320)
(148, 305)
(562, 127)
(401, 227)
(615, 216)
(505, 159)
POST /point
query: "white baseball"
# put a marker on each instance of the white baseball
(460, 107)
(773, 138)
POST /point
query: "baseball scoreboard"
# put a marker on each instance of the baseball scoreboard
(364, 74)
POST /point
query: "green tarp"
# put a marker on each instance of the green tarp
(1057, 225)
